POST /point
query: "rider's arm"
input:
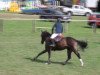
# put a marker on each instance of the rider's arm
(62, 29)
(53, 28)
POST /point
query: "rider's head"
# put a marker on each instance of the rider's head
(58, 19)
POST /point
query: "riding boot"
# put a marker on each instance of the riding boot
(52, 43)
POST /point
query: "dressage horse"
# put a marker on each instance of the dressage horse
(68, 43)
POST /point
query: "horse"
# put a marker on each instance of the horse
(69, 43)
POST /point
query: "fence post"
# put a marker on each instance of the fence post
(1, 25)
(94, 27)
(65, 26)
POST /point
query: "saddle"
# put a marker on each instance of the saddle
(58, 38)
(59, 41)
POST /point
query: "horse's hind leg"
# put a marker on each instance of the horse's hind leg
(78, 55)
(69, 56)
(44, 51)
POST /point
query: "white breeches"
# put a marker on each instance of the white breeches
(54, 35)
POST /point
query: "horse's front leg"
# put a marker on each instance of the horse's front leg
(49, 56)
(44, 51)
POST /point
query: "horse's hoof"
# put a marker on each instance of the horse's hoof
(33, 59)
(48, 63)
(63, 63)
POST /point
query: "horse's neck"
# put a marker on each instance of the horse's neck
(47, 39)
(48, 35)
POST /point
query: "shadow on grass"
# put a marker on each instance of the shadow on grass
(96, 42)
(44, 61)
(90, 27)
(87, 27)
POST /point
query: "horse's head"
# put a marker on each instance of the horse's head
(44, 35)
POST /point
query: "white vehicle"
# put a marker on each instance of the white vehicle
(92, 5)
(75, 10)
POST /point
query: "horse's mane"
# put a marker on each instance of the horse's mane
(47, 33)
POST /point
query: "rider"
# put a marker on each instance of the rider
(58, 27)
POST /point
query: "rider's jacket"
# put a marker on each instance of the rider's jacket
(58, 27)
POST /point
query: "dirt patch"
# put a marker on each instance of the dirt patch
(17, 16)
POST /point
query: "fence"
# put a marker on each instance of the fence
(45, 24)
(51, 21)
(65, 24)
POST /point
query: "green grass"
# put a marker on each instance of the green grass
(19, 44)
(3, 11)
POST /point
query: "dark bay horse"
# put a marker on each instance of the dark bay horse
(68, 43)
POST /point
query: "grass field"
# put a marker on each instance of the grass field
(19, 44)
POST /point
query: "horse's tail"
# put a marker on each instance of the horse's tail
(82, 44)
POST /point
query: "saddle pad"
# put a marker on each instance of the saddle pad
(58, 38)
